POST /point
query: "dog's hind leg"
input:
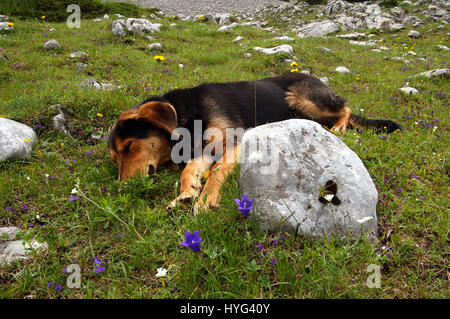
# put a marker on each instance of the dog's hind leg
(342, 121)
(211, 194)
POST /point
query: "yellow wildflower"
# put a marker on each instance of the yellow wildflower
(43, 17)
(10, 24)
(159, 58)
(99, 114)
(206, 175)
(294, 70)
(294, 64)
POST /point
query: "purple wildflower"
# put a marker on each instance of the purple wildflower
(97, 261)
(274, 261)
(261, 247)
(274, 242)
(99, 269)
(192, 241)
(50, 284)
(58, 287)
(244, 205)
(71, 198)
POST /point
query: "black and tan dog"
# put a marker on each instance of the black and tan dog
(140, 140)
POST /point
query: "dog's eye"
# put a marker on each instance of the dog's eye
(126, 150)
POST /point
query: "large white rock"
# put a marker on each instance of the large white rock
(16, 139)
(379, 22)
(350, 23)
(352, 36)
(435, 73)
(286, 166)
(284, 48)
(317, 29)
(134, 26)
(228, 28)
(17, 250)
(335, 6)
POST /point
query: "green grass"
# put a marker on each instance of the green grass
(125, 225)
(56, 10)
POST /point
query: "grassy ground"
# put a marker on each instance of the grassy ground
(124, 223)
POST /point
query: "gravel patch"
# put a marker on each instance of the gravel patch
(192, 7)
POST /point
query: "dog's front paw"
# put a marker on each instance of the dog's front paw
(206, 202)
(183, 198)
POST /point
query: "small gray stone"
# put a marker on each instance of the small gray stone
(238, 38)
(342, 69)
(409, 90)
(325, 80)
(78, 54)
(3, 18)
(414, 34)
(283, 38)
(81, 65)
(155, 46)
(93, 83)
(326, 50)
(51, 45)
(284, 48)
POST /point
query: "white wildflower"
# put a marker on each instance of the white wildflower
(161, 272)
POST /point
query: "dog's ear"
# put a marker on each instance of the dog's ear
(160, 114)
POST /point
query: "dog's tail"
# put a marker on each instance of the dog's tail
(380, 125)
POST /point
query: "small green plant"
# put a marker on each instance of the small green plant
(389, 3)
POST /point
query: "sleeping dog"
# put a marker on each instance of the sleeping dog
(140, 140)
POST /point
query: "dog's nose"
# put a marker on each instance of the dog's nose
(151, 170)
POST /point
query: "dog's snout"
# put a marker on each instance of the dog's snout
(151, 170)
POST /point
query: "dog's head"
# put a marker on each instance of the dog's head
(140, 139)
